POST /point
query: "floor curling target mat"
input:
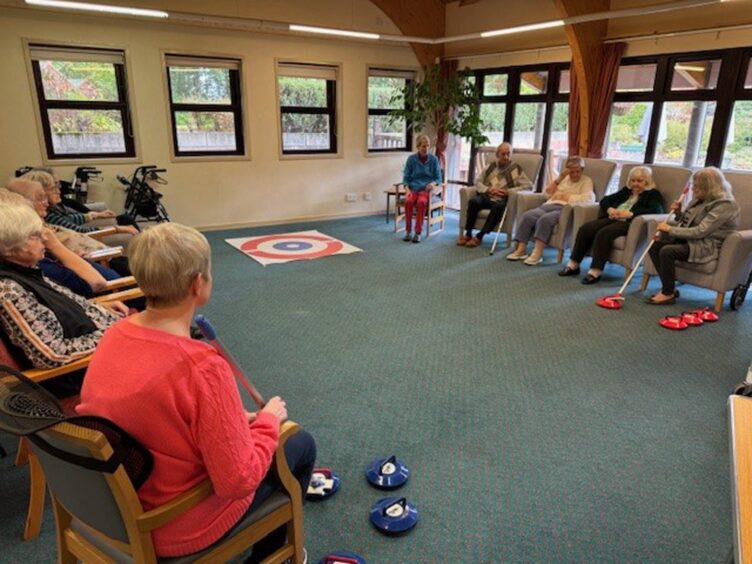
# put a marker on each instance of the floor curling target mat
(286, 247)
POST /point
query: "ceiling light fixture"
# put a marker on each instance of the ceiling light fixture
(329, 31)
(522, 28)
(122, 10)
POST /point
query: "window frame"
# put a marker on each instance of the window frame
(332, 87)
(122, 105)
(408, 139)
(235, 106)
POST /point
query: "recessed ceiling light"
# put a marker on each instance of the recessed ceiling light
(123, 10)
(329, 31)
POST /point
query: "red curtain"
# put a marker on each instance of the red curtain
(603, 97)
(600, 102)
(448, 68)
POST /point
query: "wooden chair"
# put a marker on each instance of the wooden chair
(435, 210)
(99, 518)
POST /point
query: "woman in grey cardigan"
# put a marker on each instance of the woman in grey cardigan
(697, 234)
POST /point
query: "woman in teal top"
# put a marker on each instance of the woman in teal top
(421, 175)
(617, 212)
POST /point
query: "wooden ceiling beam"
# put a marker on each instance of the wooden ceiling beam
(586, 43)
(419, 18)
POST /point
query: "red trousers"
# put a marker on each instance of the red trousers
(421, 200)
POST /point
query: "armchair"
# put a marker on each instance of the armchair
(600, 172)
(531, 163)
(735, 260)
(669, 180)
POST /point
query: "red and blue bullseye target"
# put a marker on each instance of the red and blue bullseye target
(291, 247)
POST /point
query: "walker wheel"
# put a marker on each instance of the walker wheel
(737, 297)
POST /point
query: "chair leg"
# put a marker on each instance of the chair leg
(560, 256)
(644, 284)
(62, 523)
(719, 301)
(37, 485)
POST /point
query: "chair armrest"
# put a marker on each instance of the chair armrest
(102, 232)
(150, 520)
(636, 239)
(123, 296)
(527, 200)
(466, 194)
(40, 374)
(105, 255)
(735, 260)
(124, 282)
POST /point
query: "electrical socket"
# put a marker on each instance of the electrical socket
(367, 196)
(351, 197)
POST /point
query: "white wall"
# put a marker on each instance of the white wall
(263, 189)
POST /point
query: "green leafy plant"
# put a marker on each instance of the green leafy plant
(436, 101)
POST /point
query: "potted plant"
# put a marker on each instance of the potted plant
(436, 102)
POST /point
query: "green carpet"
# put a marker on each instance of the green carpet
(537, 426)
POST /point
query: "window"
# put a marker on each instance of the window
(684, 132)
(385, 89)
(695, 75)
(205, 106)
(82, 102)
(307, 103)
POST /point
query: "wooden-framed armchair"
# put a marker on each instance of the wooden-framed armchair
(435, 210)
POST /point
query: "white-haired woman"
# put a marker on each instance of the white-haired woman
(697, 234)
(570, 187)
(178, 397)
(422, 173)
(48, 323)
(617, 211)
(58, 215)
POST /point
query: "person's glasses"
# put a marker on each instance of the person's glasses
(42, 200)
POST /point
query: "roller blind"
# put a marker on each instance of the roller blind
(52, 53)
(326, 72)
(407, 75)
(201, 62)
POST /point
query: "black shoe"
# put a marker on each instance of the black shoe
(416, 238)
(569, 271)
(407, 237)
(590, 279)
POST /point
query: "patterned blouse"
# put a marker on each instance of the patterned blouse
(34, 329)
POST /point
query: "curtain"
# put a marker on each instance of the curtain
(573, 131)
(448, 68)
(600, 102)
(603, 97)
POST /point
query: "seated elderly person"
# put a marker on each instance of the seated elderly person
(180, 400)
(421, 175)
(696, 235)
(79, 243)
(47, 323)
(57, 214)
(493, 187)
(570, 187)
(616, 214)
(60, 264)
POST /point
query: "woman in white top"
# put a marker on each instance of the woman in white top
(569, 188)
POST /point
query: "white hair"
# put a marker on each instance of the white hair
(18, 222)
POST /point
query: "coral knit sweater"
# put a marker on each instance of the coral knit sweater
(178, 397)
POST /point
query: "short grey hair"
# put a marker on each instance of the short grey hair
(711, 181)
(44, 178)
(575, 161)
(18, 222)
(508, 144)
(25, 187)
(165, 260)
(422, 137)
(646, 172)
(8, 197)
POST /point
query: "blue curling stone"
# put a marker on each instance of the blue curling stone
(324, 483)
(394, 515)
(387, 473)
(342, 557)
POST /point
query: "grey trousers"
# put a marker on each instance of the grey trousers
(538, 223)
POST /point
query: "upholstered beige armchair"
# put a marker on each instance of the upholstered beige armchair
(669, 181)
(531, 163)
(735, 261)
(600, 172)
